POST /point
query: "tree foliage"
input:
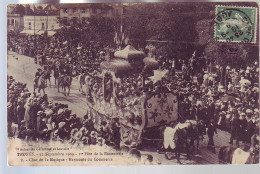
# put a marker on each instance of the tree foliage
(95, 29)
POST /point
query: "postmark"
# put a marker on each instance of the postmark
(235, 24)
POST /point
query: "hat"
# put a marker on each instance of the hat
(93, 133)
(61, 124)
(249, 111)
(9, 104)
(242, 114)
(48, 112)
(39, 112)
(60, 111)
(72, 116)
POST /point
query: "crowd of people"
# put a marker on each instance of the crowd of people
(232, 104)
(34, 117)
(227, 96)
(80, 56)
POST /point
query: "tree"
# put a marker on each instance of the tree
(19, 9)
(232, 54)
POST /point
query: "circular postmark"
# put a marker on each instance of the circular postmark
(233, 25)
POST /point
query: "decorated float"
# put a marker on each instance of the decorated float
(117, 93)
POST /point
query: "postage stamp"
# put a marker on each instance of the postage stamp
(236, 24)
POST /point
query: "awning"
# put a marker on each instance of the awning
(51, 33)
(129, 52)
(40, 32)
(31, 32)
(150, 63)
(116, 65)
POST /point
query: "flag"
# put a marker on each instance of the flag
(193, 55)
(121, 28)
(126, 40)
(122, 38)
(115, 38)
(34, 9)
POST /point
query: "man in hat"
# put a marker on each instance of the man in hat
(104, 133)
(243, 125)
(115, 132)
(56, 74)
(22, 130)
(235, 129)
(20, 112)
(38, 119)
(251, 127)
(37, 75)
(42, 129)
(211, 130)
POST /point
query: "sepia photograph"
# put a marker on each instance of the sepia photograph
(101, 84)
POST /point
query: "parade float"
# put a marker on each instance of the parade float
(117, 92)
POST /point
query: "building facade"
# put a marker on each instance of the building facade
(14, 19)
(15, 23)
(40, 24)
(41, 18)
(80, 12)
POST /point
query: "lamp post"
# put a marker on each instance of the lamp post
(47, 21)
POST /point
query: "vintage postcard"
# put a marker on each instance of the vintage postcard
(133, 84)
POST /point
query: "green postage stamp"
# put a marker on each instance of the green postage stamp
(236, 24)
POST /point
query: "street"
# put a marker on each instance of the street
(23, 68)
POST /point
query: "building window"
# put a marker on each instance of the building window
(65, 21)
(117, 12)
(8, 22)
(43, 26)
(12, 22)
(74, 10)
(83, 20)
(83, 10)
(65, 10)
(94, 10)
(30, 25)
(74, 19)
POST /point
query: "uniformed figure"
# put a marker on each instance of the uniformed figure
(235, 128)
(211, 131)
(250, 129)
(37, 75)
(243, 125)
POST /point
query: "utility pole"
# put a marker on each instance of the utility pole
(47, 23)
(34, 33)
